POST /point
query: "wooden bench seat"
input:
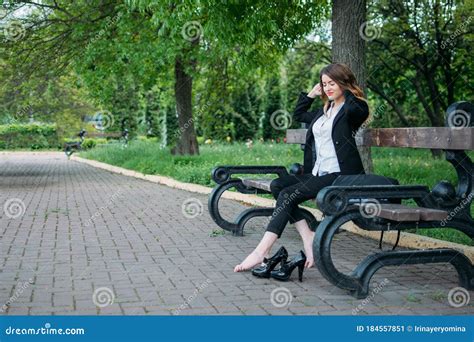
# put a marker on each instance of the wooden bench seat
(263, 183)
(394, 212)
(403, 213)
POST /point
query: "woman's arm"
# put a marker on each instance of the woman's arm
(301, 113)
(357, 109)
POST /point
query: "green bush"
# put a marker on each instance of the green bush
(101, 141)
(148, 139)
(33, 136)
(89, 143)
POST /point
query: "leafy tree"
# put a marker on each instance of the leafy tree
(115, 45)
(420, 58)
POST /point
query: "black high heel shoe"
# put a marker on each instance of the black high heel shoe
(269, 264)
(287, 268)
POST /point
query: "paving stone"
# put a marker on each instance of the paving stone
(84, 228)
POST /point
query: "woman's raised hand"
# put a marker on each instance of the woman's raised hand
(316, 91)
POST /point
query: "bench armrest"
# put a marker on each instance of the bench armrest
(334, 199)
(221, 174)
(296, 169)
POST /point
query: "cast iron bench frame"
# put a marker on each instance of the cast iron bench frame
(443, 205)
(71, 147)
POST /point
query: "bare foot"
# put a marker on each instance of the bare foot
(307, 236)
(250, 261)
(308, 250)
(309, 263)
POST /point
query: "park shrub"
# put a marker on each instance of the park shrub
(32, 136)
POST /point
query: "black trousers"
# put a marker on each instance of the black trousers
(291, 190)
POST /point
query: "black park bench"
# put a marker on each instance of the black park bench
(71, 147)
(374, 202)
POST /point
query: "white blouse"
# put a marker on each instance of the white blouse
(326, 160)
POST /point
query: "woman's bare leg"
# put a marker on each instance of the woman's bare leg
(307, 236)
(262, 250)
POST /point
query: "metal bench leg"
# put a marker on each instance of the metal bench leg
(69, 150)
(322, 249)
(367, 268)
(236, 227)
(247, 214)
(358, 281)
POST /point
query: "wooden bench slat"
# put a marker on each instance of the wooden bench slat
(403, 213)
(296, 136)
(394, 212)
(263, 184)
(399, 213)
(446, 138)
(433, 215)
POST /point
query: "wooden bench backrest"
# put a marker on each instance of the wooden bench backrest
(421, 137)
(458, 135)
(104, 134)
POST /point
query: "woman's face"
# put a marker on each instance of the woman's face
(331, 88)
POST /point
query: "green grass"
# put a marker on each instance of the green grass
(148, 158)
(409, 166)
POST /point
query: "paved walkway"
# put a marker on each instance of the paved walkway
(85, 241)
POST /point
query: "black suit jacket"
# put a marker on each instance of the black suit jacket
(351, 116)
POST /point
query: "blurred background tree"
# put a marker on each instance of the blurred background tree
(176, 71)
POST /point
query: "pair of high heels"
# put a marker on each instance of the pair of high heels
(283, 273)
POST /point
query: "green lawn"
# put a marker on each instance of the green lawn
(409, 166)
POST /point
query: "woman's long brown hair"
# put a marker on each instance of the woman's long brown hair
(344, 77)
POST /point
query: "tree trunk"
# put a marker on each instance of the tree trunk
(187, 143)
(348, 47)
